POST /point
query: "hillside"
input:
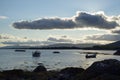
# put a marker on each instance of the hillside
(111, 46)
(115, 44)
(54, 46)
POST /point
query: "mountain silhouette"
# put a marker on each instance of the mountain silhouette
(111, 46)
(115, 44)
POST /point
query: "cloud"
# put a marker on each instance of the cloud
(46, 23)
(80, 20)
(48, 41)
(7, 36)
(27, 43)
(116, 30)
(96, 20)
(61, 39)
(3, 17)
(8, 39)
(105, 37)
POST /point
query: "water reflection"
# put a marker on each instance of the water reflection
(66, 58)
(35, 60)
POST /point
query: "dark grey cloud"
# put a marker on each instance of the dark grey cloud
(80, 20)
(96, 20)
(116, 31)
(50, 23)
(60, 40)
(105, 37)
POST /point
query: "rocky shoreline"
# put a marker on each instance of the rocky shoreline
(101, 70)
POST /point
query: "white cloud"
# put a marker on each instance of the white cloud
(10, 39)
(3, 17)
(52, 40)
(7, 36)
(80, 20)
(7, 39)
(23, 43)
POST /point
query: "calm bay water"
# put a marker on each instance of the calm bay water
(9, 59)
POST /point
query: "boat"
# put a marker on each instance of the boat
(90, 55)
(36, 54)
(56, 52)
(20, 50)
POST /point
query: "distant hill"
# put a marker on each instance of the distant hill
(14, 47)
(54, 46)
(82, 45)
(115, 44)
(111, 46)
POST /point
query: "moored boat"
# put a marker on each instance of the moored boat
(20, 50)
(36, 54)
(90, 56)
(56, 52)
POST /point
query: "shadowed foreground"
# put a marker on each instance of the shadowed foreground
(101, 70)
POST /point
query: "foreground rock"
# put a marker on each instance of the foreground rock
(117, 52)
(101, 70)
(26, 75)
(40, 68)
(67, 73)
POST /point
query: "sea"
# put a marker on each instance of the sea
(10, 59)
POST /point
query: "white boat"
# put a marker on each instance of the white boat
(90, 55)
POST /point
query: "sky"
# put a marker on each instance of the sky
(43, 22)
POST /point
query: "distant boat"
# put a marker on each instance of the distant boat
(90, 55)
(56, 52)
(36, 54)
(20, 50)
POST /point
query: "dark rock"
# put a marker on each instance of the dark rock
(40, 68)
(107, 77)
(13, 72)
(110, 66)
(117, 52)
(100, 70)
(69, 73)
(11, 75)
